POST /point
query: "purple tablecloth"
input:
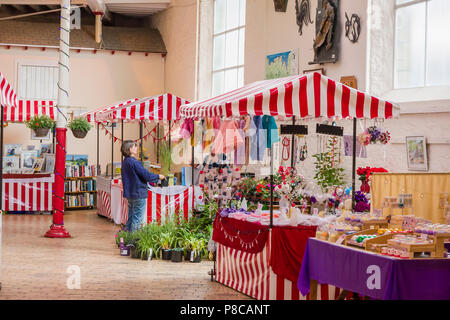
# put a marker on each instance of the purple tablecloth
(373, 275)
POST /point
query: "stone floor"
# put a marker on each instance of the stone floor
(35, 267)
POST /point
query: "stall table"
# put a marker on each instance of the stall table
(373, 275)
(263, 263)
(162, 203)
(27, 192)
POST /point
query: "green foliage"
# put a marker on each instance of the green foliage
(165, 153)
(176, 234)
(80, 124)
(39, 122)
(328, 174)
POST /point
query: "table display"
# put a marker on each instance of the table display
(249, 259)
(163, 203)
(27, 192)
(373, 275)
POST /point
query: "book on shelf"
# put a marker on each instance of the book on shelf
(81, 171)
(80, 200)
(80, 185)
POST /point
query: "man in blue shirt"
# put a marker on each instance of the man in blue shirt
(134, 181)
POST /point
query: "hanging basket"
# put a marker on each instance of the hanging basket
(41, 132)
(79, 134)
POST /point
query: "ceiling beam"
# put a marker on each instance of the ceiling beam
(42, 2)
(19, 8)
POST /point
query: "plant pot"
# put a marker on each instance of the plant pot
(187, 255)
(125, 251)
(164, 183)
(166, 254)
(177, 256)
(197, 259)
(79, 134)
(144, 255)
(134, 252)
(41, 132)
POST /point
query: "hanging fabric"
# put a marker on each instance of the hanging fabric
(258, 138)
(269, 124)
(239, 152)
(228, 138)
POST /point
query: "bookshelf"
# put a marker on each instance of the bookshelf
(80, 187)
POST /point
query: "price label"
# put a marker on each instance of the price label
(341, 239)
(372, 227)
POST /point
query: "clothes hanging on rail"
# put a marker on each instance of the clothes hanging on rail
(258, 138)
(187, 128)
(228, 138)
(270, 125)
(239, 152)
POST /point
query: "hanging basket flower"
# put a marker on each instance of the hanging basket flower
(40, 125)
(79, 127)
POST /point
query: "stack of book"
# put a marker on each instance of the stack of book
(81, 171)
(80, 200)
(80, 185)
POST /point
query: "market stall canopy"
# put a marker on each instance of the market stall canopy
(305, 96)
(164, 107)
(91, 116)
(19, 110)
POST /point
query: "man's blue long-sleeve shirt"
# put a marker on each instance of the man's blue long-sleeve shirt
(135, 178)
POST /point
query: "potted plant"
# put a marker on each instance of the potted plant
(166, 240)
(40, 125)
(165, 153)
(198, 246)
(177, 255)
(80, 127)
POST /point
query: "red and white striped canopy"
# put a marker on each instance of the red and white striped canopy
(18, 110)
(164, 107)
(91, 116)
(305, 96)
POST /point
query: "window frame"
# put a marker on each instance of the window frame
(425, 77)
(225, 32)
(35, 63)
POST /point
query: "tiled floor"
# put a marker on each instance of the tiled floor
(35, 267)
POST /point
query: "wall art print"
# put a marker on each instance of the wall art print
(282, 64)
(326, 43)
(416, 153)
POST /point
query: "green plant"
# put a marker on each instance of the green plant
(39, 122)
(328, 174)
(80, 124)
(198, 245)
(165, 153)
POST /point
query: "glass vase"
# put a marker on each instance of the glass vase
(365, 187)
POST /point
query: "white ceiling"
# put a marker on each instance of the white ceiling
(136, 7)
(126, 7)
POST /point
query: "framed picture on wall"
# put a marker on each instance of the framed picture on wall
(319, 70)
(416, 153)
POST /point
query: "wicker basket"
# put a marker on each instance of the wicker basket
(79, 134)
(41, 132)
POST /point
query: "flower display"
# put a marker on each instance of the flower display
(361, 202)
(372, 135)
(290, 184)
(365, 173)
